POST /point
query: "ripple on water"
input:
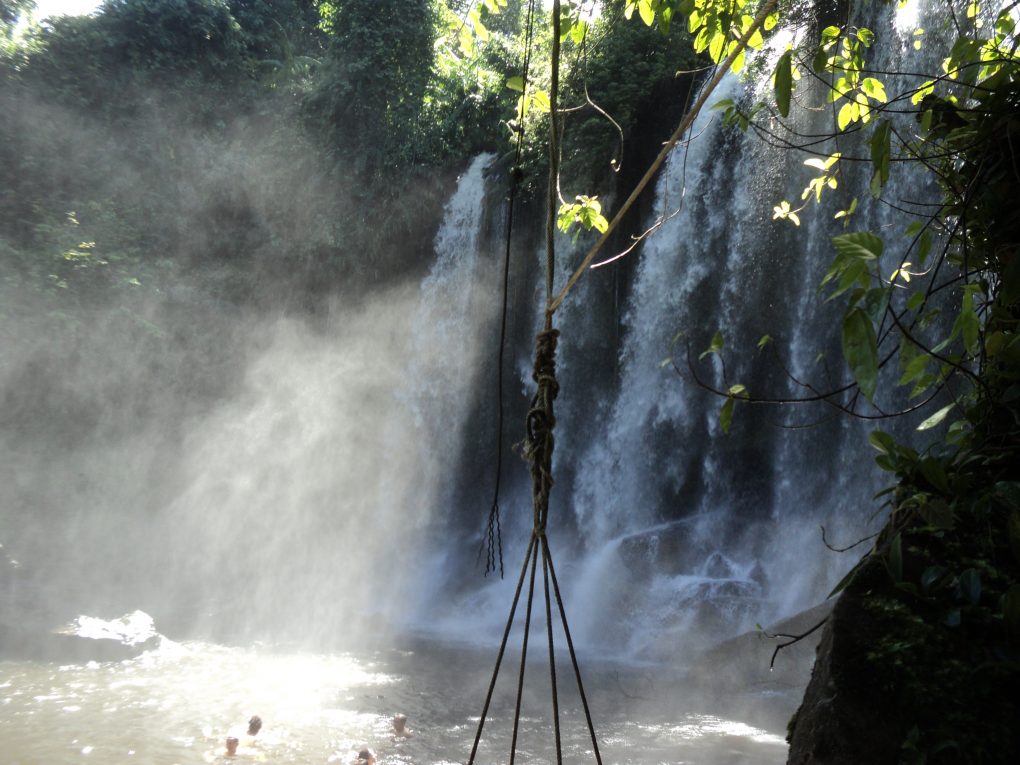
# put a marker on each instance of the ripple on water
(174, 708)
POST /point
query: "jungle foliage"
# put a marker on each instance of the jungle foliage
(936, 330)
(929, 323)
(161, 136)
(156, 137)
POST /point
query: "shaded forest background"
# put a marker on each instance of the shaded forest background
(164, 162)
(279, 151)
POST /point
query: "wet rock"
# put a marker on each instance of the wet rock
(671, 548)
(845, 718)
(743, 662)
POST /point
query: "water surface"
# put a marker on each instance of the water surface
(173, 706)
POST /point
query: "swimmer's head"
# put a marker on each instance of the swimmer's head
(399, 721)
(254, 725)
(231, 745)
(366, 755)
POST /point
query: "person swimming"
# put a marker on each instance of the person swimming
(366, 757)
(400, 728)
(235, 736)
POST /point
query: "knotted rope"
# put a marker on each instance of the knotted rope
(538, 446)
(538, 450)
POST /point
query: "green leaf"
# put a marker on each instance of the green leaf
(726, 414)
(646, 12)
(847, 114)
(715, 47)
(784, 83)
(967, 323)
(860, 348)
(894, 558)
(738, 62)
(882, 441)
(516, 83)
(916, 366)
(841, 585)
(821, 60)
(880, 155)
(874, 89)
(860, 244)
(875, 302)
(934, 473)
(765, 340)
(578, 31)
(936, 418)
(714, 347)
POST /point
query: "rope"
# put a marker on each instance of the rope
(552, 655)
(538, 446)
(573, 655)
(494, 531)
(502, 652)
(524, 658)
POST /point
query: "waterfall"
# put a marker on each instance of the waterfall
(319, 482)
(685, 534)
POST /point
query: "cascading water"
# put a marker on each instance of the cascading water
(687, 534)
(312, 494)
(296, 507)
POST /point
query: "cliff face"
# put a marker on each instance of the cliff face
(845, 718)
(920, 658)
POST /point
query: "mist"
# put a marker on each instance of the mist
(226, 399)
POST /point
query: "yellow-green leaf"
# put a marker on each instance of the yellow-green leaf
(936, 418)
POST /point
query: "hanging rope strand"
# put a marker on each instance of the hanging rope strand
(554, 165)
(573, 655)
(502, 652)
(524, 651)
(494, 531)
(552, 652)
